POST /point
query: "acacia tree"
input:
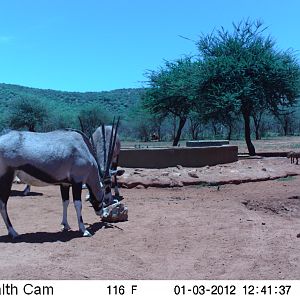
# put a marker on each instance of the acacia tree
(286, 120)
(27, 112)
(195, 122)
(90, 118)
(257, 117)
(244, 68)
(145, 124)
(172, 91)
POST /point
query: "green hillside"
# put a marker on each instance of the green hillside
(116, 102)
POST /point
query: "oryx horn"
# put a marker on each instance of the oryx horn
(112, 144)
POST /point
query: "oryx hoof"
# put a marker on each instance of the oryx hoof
(13, 234)
(86, 233)
(65, 228)
(26, 193)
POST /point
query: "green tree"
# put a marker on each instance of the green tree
(222, 110)
(286, 119)
(27, 112)
(244, 70)
(173, 91)
(195, 122)
(92, 117)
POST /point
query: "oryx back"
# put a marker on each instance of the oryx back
(63, 157)
(53, 158)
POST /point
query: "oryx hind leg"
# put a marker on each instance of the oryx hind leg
(65, 196)
(76, 190)
(6, 180)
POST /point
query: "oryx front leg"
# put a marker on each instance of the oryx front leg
(10, 229)
(26, 190)
(65, 201)
(5, 184)
(76, 189)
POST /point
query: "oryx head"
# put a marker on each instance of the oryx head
(107, 166)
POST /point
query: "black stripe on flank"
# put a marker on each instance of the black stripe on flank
(39, 174)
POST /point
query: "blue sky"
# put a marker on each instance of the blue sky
(90, 45)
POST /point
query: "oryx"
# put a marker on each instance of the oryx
(101, 139)
(63, 157)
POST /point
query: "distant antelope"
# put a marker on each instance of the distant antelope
(293, 155)
(64, 157)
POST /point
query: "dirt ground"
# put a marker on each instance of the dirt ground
(229, 231)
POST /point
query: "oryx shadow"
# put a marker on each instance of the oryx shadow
(15, 193)
(52, 237)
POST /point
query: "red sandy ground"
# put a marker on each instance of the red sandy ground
(244, 231)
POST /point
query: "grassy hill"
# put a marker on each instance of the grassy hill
(118, 101)
(69, 104)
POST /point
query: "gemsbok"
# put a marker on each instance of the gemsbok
(63, 157)
(293, 156)
(100, 138)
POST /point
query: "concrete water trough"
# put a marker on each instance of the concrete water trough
(207, 143)
(173, 156)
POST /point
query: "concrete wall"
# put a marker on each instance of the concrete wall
(207, 143)
(170, 157)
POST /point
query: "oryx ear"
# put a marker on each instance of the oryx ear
(120, 172)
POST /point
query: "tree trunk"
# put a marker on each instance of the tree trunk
(194, 129)
(250, 146)
(286, 127)
(257, 135)
(174, 127)
(31, 128)
(215, 129)
(256, 121)
(229, 132)
(159, 133)
(194, 132)
(178, 134)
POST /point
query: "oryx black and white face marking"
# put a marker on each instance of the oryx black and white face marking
(108, 198)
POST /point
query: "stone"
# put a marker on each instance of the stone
(193, 174)
(140, 187)
(116, 213)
